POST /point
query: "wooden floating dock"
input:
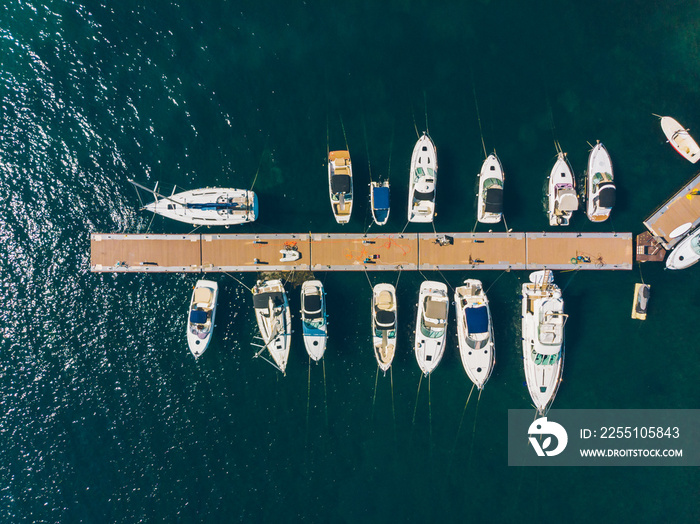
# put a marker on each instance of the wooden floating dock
(355, 252)
(682, 208)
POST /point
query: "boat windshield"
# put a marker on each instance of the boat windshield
(389, 334)
(545, 360)
(477, 344)
(315, 323)
(695, 244)
(420, 173)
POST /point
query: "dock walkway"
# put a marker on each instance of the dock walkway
(204, 253)
(678, 215)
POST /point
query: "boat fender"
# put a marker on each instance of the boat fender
(574, 260)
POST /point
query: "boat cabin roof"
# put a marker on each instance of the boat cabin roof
(424, 196)
(198, 316)
(494, 200)
(381, 197)
(202, 295)
(261, 300)
(340, 183)
(568, 200)
(477, 319)
(606, 197)
(312, 306)
(435, 312)
(385, 319)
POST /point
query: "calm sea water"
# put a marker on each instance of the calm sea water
(105, 415)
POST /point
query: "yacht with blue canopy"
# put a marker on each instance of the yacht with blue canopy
(379, 200)
(475, 331)
(201, 315)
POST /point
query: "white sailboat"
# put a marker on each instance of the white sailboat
(201, 316)
(340, 185)
(561, 192)
(680, 139)
(600, 184)
(313, 318)
(431, 325)
(490, 203)
(384, 324)
(686, 253)
(423, 181)
(379, 201)
(214, 206)
(543, 321)
(475, 331)
(274, 320)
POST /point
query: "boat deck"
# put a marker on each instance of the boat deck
(355, 252)
(682, 208)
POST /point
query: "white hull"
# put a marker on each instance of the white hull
(274, 320)
(431, 325)
(423, 181)
(340, 185)
(600, 185)
(384, 324)
(561, 192)
(680, 139)
(209, 207)
(543, 322)
(490, 204)
(201, 316)
(686, 253)
(379, 214)
(475, 331)
(313, 318)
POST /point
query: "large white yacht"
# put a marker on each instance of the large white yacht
(274, 320)
(475, 331)
(384, 324)
(431, 325)
(543, 322)
(201, 316)
(423, 182)
(686, 253)
(213, 206)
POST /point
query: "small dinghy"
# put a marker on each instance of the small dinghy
(431, 325)
(600, 186)
(686, 253)
(475, 331)
(379, 200)
(563, 200)
(490, 204)
(641, 301)
(313, 318)
(423, 182)
(202, 312)
(384, 322)
(680, 139)
(340, 185)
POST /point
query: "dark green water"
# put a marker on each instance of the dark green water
(106, 417)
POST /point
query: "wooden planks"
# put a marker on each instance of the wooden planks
(473, 251)
(354, 252)
(682, 208)
(145, 253)
(562, 251)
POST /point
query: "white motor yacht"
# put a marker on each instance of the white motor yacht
(340, 185)
(543, 321)
(201, 316)
(561, 191)
(423, 182)
(490, 203)
(600, 185)
(431, 325)
(686, 253)
(384, 324)
(313, 318)
(475, 331)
